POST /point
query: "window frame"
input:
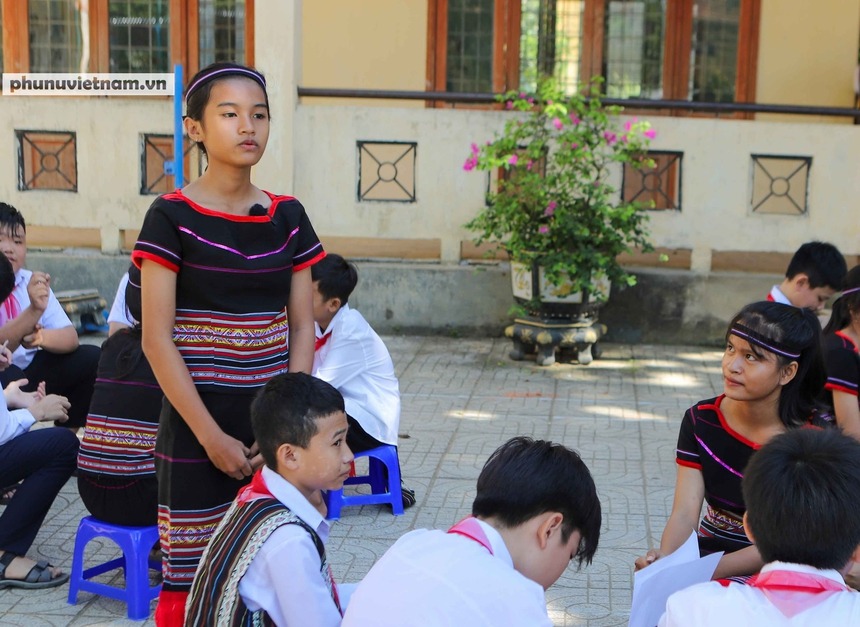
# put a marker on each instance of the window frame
(184, 35)
(676, 51)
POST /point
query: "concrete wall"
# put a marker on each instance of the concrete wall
(808, 52)
(664, 307)
(373, 44)
(717, 175)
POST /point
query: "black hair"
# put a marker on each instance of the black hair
(802, 494)
(799, 329)
(525, 478)
(847, 304)
(285, 411)
(200, 87)
(821, 262)
(337, 277)
(7, 278)
(11, 219)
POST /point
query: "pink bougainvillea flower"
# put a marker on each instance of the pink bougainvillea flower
(624, 138)
(530, 164)
(470, 164)
(574, 119)
(475, 149)
(509, 105)
(522, 94)
(650, 133)
(543, 229)
(628, 125)
(574, 146)
(513, 159)
(531, 100)
(558, 124)
(610, 137)
(550, 208)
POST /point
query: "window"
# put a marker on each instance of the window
(699, 50)
(124, 35)
(139, 35)
(56, 43)
(222, 31)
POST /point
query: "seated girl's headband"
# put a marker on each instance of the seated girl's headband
(765, 342)
(851, 291)
(225, 71)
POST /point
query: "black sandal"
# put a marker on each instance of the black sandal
(39, 576)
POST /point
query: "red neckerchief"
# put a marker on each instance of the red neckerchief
(792, 592)
(321, 341)
(770, 298)
(258, 489)
(471, 528)
(10, 309)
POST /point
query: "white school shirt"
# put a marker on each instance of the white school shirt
(13, 423)
(118, 311)
(437, 579)
(740, 605)
(354, 360)
(778, 297)
(284, 578)
(54, 316)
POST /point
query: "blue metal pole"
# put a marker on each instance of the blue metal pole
(178, 144)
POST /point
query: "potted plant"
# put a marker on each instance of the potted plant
(554, 208)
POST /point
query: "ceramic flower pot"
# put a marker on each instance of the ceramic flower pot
(545, 300)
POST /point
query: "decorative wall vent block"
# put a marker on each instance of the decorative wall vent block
(386, 171)
(657, 188)
(780, 184)
(155, 149)
(47, 160)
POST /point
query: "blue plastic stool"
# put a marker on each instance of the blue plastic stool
(379, 459)
(136, 543)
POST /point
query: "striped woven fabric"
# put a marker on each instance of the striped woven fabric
(214, 597)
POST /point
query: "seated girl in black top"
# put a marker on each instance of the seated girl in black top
(772, 374)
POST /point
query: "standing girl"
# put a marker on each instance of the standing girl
(842, 357)
(772, 373)
(223, 264)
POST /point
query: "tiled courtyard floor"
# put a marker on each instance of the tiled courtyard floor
(461, 399)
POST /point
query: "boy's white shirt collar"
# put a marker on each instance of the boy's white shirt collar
(777, 295)
(803, 568)
(500, 549)
(319, 332)
(290, 496)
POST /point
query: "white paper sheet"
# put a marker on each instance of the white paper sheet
(653, 585)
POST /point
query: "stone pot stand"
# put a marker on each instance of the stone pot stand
(558, 319)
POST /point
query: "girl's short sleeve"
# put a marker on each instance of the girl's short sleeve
(308, 249)
(687, 453)
(159, 238)
(843, 370)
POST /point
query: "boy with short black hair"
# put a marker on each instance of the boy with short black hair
(814, 274)
(536, 509)
(802, 495)
(353, 358)
(266, 560)
(43, 340)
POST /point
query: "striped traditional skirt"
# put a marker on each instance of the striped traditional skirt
(193, 494)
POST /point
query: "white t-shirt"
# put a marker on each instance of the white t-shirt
(118, 311)
(13, 423)
(738, 605)
(437, 579)
(54, 316)
(354, 360)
